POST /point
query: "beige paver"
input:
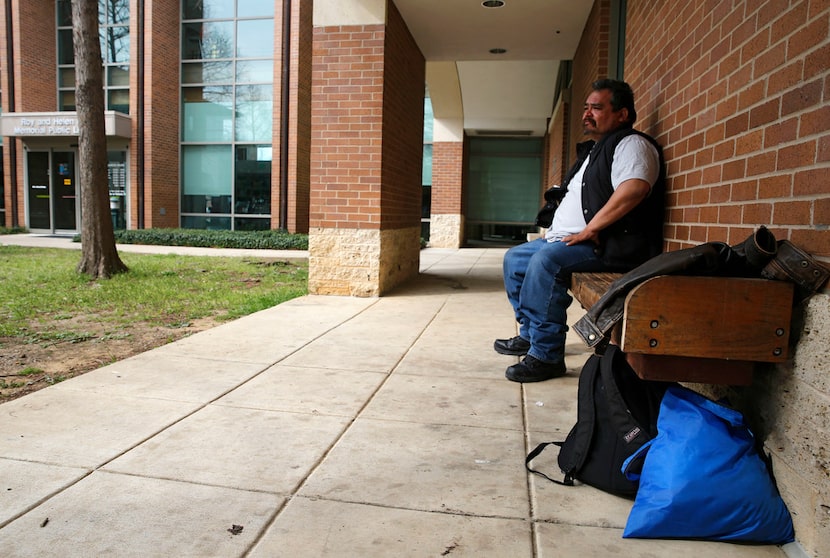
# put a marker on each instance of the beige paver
(325, 426)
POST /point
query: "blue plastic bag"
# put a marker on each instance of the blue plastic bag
(703, 478)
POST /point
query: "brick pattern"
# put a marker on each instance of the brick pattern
(35, 58)
(347, 102)
(404, 81)
(556, 147)
(366, 156)
(161, 116)
(447, 165)
(367, 126)
(737, 93)
(35, 73)
(299, 126)
(590, 63)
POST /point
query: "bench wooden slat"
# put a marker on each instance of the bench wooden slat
(697, 329)
(588, 288)
(709, 317)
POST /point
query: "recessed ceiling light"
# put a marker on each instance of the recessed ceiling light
(498, 50)
(493, 3)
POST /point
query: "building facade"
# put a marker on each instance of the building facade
(309, 116)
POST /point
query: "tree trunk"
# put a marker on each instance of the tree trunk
(99, 257)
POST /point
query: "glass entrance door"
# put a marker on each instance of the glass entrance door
(52, 190)
(65, 200)
(37, 164)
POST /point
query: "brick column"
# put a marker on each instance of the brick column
(366, 150)
(446, 221)
(161, 116)
(298, 117)
(35, 71)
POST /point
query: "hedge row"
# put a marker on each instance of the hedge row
(262, 240)
(268, 240)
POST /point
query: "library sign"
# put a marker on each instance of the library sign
(45, 126)
(57, 124)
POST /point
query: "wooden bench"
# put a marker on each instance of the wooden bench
(710, 330)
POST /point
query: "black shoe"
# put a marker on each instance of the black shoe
(515, 346)
(534, 370)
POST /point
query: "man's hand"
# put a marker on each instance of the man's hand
(624, 199)
(584, 236)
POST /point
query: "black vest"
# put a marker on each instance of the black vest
(638, 235)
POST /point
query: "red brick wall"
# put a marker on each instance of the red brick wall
(299, 131)
(557, 155)
(161, 116)
(737, 93)
(590, 63)
(403, 125)
(346, 108)
(367, 126)
(447, 166)
(35, 72)
(35, 57)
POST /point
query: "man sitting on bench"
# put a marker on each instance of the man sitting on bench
(607, 217)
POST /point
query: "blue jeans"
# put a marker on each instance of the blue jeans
(537, 275)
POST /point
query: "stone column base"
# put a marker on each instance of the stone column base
(446, 231)
(361, 262)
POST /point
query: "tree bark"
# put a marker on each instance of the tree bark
(99, 257)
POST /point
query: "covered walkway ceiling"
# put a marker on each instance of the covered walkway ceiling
(495, 94)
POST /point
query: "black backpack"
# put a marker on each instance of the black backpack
(616, 415)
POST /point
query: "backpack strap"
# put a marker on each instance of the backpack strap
(583, 430)
(618, 411)
(567, 481)
(579, 438)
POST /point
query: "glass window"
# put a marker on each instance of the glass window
(118, 11)
(426, 171)
(114, 38)
(505, 178)
(255, 38)
(206, 222)
(65, 53)
(118, 75)
(226, 100)
(254, 109)
(209, 9)
(115, 45)
(64, 13)
(254, 8)
(252, 193)
(208, 72)
(255, 71)
(117, 180)
(426, 202)
(207, 178)
(428, 120)
(66, 100)
(207, 113)
(118, 100)
(209, 40)
(252, 224)
(66, 77)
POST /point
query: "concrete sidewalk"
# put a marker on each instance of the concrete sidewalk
(325, 426)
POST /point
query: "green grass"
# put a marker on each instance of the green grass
(41, 286)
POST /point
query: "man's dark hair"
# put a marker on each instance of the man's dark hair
(621, 96)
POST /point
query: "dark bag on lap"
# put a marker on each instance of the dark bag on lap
(616, 415)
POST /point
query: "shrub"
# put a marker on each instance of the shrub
(264, 240)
